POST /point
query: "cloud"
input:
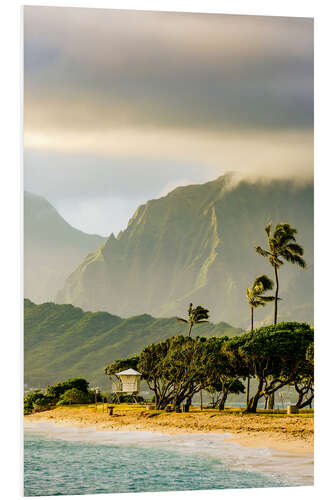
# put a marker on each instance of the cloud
(283, 154)
(121, 106)
(98, 69)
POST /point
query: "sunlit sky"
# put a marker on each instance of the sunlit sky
(123, 106)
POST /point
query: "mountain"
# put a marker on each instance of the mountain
(62, 341)
(52, 248)
(197, 244)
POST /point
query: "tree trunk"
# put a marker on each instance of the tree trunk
(308, 402)
(271, 401)
(223, 399)
(253, 402)
(251, 319)
(247, 390)
(300, 399)
(276, 294)
(190, 330)
(248, 378)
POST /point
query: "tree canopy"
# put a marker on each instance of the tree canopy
(273, 354)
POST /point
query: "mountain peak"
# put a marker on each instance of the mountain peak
(197, 245)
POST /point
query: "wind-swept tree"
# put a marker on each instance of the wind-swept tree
(255, 296)
(274, 354)
(196, 316)
(222, 376)
(281, 245)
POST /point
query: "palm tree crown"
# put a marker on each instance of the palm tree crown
(282, 243)
(255, 292)
(196, 315)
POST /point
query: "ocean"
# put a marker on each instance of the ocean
(78, 461)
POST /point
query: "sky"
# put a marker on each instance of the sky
(124, 106)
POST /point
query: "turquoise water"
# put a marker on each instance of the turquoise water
(77, 463)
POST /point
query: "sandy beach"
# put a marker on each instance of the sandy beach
(290, 433)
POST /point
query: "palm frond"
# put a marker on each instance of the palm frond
(262, 252)
(268, 229)
(293, 258)
(183, 320)
(269, 298)
(284, 233)
(264, 282)
(295, 248)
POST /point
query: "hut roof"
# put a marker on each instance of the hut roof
(130, 371)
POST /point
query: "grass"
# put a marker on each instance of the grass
(212, 412)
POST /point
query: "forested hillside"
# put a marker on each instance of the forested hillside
(62, 341)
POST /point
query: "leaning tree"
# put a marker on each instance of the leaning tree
(274, 354)
(281, 245)
(196, 316)
(256, 298)
(221, 376)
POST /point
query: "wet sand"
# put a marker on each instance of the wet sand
(290, 433)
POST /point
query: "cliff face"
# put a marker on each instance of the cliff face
(197, 244)
(52, 248)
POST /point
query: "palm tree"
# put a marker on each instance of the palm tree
(281, 245)
(255, 299)
(196, 316)
(255, 293)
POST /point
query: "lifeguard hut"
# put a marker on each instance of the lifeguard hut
(128, 382)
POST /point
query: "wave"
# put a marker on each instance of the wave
(291, 468)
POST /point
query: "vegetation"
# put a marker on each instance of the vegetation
(274, 354)
(196, 316)
(55, 392)
(74, 396)
(304, 382)
(62, 341)
(221, 376)
(281, 245)
(70, 391)
(178, 367)
(195, 245)
(255, 294)
(36, 401)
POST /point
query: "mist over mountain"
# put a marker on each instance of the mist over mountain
(62, 341)
(52, 248)
(197, 244)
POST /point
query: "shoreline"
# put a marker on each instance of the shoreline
(279, 432)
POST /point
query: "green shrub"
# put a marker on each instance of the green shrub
(36, 401)
(73, 396)
(56, 391)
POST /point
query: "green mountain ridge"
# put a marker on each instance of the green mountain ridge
(197, 244)
(52, 248)
(62, 341)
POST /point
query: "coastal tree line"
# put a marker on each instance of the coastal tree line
(177, 368)
(277, 355)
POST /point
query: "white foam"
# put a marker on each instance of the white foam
(291, 468)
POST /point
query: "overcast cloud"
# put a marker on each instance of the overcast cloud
(121, 106)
